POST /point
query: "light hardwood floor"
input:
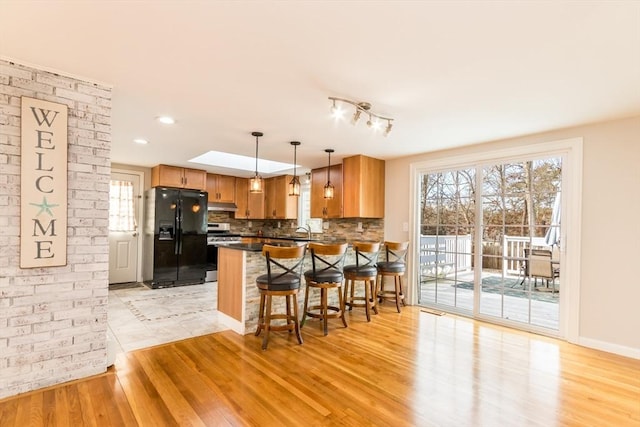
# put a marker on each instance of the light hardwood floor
(413, 369)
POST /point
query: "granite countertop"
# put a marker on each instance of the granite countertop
(255, 247)
(293, 238)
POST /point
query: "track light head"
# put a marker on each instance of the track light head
(356, 117)
(387, 130)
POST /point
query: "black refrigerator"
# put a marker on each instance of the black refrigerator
(176, 237)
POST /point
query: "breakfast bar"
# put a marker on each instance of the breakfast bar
(239, 264)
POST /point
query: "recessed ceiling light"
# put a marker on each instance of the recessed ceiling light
(166, 120)
(140, 141)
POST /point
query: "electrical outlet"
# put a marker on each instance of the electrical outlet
(359, 227)
(405, 226)
(279, 225)
(325, 225)
(249, 224)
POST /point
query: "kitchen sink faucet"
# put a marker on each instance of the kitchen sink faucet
(307, 229)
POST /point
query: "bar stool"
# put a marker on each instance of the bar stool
(394, 266)
(284, 271)
(364, 270)
(326, 273)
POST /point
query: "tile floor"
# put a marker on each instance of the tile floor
(142, 317)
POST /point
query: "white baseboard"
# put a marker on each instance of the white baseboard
(621, 350)
(233, 324)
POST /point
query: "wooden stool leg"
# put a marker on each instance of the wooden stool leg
(267, 323)
(397, 283)
(324, 311)
(260, 314)
(346, 294)
(306, 305)
(372, 285)
(342, 308)
(295, 319)
(367, 300)
(288, 313)
(402, 289)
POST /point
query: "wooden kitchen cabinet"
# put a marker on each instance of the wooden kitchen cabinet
(363, 187)
(177, 177)
(278, 203)
(250, 205)
(221, 188)
(321, 207)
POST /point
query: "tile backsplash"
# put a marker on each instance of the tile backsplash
(336, 229)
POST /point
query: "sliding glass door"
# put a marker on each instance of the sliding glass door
(489, 239)
(448, 221)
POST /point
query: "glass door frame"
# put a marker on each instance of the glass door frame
(571, 152)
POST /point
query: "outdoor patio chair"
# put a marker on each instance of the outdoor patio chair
(539, 264)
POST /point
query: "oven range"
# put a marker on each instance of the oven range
(217, 232)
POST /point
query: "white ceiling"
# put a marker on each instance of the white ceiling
(450, 73)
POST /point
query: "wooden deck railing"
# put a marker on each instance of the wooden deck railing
(443, 255)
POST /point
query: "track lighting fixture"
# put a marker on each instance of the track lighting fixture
(360, 108)
(255, 183)
(328, 187)
(294, 185)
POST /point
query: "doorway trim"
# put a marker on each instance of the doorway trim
(571, 150)
(139, 216)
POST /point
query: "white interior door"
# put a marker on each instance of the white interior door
(124, 220)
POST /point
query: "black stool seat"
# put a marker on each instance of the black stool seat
(281, 283)
(392, 267)
(331, 275)
(360, 271)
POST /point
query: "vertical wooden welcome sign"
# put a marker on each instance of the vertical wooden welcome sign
(43, 184)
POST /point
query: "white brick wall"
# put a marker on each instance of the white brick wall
(53, 321)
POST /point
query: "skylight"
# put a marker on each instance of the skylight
(236, 161)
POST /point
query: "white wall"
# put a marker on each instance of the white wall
(609, 317)
(53, 320)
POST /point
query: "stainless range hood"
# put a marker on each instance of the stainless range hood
(222, 207)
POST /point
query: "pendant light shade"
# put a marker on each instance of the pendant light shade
(328, 187)
(256, 183)
(294, 185)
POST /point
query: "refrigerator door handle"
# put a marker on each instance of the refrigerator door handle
(179, 229)
(176, 220)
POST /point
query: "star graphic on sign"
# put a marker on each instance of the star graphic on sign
(44, 206)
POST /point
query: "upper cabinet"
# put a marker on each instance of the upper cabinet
(278, 203)
(173, 176)
(363, 187)
(321, 207)
(250, 205)
(221, 188)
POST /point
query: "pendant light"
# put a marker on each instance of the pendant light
(255, 183)
(294, 185)
(328, 188)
